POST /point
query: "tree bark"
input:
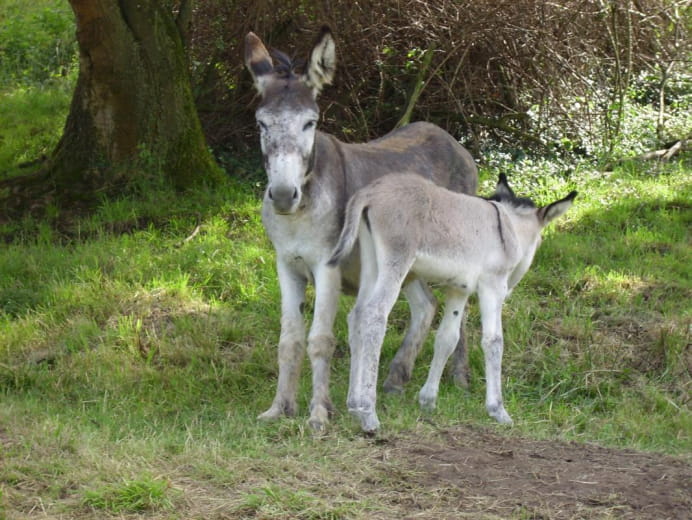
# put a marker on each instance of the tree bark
(132, 111)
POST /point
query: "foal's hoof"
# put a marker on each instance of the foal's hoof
(427, 402)
(369, 422)
(500, 415)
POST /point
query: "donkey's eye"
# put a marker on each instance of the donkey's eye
(309, 125)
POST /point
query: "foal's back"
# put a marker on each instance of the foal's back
(441, 231)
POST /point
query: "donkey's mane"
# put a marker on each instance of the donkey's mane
(286, 67)
(511, 200)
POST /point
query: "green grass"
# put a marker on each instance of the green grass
(128, 351)
(30, 127)
(38, 56)
(130, 496)
(37, 44)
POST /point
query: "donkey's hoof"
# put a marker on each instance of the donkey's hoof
(461, 379)
(397, 377)
(500, 415)
(277, 411)
(270, 415)
(319, 418)
(391, 387)
(369, 422)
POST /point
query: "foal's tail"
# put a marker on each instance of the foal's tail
(356, 208)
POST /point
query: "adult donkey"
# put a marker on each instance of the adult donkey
(311, 176)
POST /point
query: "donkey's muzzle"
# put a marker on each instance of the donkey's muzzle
(285, 199)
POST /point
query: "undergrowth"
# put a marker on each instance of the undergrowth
(143, 339)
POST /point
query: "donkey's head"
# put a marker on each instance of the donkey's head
(544, 215)
(528, 222)
(287, 115)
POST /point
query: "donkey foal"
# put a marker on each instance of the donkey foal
(409, 228)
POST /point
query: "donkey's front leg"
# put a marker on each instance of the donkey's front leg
(321, 342)
(490, 299)
(291, 341)
(448, 334)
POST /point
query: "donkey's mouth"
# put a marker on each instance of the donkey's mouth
(287, 212)
(291, 211)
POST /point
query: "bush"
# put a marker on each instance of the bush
(537, 75)
(36, 44)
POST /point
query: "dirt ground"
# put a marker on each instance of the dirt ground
(473, 473)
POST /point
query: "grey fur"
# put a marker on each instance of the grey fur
(419, 231)
(311, 176)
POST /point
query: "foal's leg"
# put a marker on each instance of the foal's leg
(490, 297)
(367, 326)
(321, 342)
(448, 334)
(291, 341)
(422, 304)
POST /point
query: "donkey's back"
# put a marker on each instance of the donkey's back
(420, 147)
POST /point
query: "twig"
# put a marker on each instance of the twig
(192, 235)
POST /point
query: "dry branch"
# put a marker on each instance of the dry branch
(663, 155)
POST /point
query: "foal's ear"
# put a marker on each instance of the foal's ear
(502, 190)
(322, 61)
(558, 208)
(257, 61)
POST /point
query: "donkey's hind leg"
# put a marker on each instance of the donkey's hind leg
(422, 304)
(460, 361)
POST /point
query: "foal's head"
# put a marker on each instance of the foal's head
(505, 195)
(287, 115)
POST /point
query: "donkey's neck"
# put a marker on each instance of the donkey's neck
(328, 175)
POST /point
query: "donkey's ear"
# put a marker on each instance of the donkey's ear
(558, 208)
(322, 62)
(257, 61)
(502, 190)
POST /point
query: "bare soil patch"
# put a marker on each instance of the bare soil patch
(476, 473)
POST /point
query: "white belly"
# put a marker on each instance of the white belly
(444, 271)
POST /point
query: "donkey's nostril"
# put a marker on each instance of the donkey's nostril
(295, 193)
(271, 197)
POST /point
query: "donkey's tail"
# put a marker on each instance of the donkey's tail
(349, 234)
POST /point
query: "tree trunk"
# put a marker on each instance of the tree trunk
(132, 109)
